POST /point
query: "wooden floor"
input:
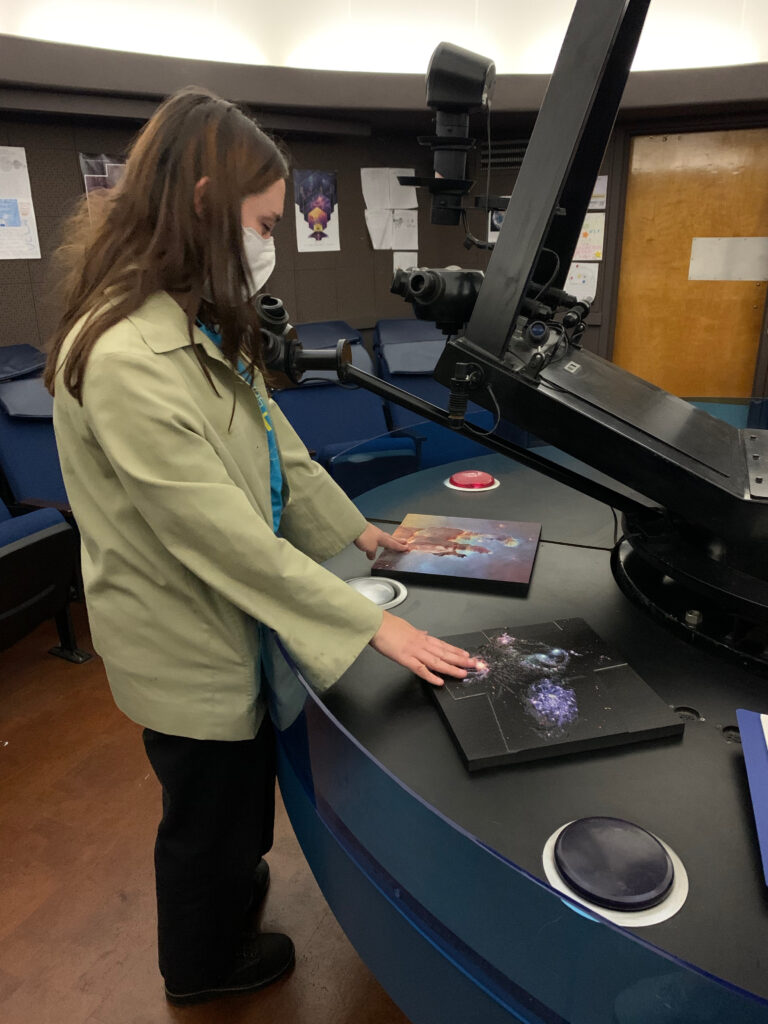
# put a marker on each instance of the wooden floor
(78, 812)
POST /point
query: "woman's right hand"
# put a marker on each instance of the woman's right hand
(417, 650)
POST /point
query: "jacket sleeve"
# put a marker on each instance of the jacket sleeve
(152, 432)
(318, 517)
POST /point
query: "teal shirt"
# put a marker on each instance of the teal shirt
(275, 471)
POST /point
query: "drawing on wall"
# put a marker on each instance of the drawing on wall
(582, 280)
(405, 230)
(18, 227)
(459, 551)
(316, 204)
(393, 229)
(547, 689)
(590, 243)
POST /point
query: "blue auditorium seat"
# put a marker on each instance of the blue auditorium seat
(325, 333)
(28, 455)
(333, 421)
(20, 361)
(38, 567)
(407, 352)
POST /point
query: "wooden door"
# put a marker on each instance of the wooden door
(694, 338)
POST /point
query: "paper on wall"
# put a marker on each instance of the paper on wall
(582, 280)
(405, 230)
(382, 190)
(404, 261)
(590, 243)
(401, 197)
(18, 228)
(379, 224)
(599, 193)
(375, 182)
(729, 259)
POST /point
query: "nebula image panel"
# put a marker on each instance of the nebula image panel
(547, 689)
(451, 548)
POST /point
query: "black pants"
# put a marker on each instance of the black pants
(218, 818)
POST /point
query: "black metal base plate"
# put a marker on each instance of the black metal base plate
(76, 656)
(690, 614)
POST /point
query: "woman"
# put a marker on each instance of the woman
(181, 472)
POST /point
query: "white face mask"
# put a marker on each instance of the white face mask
(259, 263)
(259, 259)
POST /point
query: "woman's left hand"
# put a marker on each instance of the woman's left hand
(372, 538)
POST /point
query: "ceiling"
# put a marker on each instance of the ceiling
(399, 36)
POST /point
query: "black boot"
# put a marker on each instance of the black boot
(263, 959)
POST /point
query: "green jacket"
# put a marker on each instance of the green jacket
(169, 484)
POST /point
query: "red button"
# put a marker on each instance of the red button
(472, 480)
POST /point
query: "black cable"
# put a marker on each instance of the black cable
(552, 277)
(471, 239)
(615, 526)
(487, 433)
(574, 339)
(572, 544)
(488, 175)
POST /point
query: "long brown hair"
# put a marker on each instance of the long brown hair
(145, 235)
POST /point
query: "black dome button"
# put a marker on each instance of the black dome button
(613, 863)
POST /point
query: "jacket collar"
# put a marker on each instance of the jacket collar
(162, 324)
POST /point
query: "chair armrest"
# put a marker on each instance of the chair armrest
(28, 528)
(32, 505)
(418, 439)
(29, 504)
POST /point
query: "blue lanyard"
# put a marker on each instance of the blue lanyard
(275, 471)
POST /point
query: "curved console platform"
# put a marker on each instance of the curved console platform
(436, 874)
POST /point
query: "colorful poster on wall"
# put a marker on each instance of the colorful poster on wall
(590, 243)
(18, 228)
(316, 205)
(100, 171)
(582, 280)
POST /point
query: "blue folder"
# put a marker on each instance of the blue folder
(755, 749)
